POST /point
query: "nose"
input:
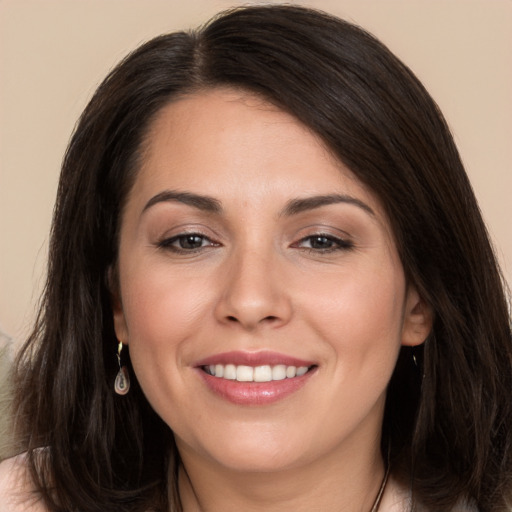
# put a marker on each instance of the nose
(254, 291)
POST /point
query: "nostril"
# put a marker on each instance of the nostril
(270, 318)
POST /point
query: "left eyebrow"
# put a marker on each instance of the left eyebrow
(296, 206)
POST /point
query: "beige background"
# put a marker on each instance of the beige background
(54, 53)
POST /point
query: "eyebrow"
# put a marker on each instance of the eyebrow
(293, 207)
(296, 206)
(204, 203)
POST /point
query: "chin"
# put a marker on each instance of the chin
(250, 450)
(261, 462)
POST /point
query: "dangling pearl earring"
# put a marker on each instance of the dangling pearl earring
(122, 383)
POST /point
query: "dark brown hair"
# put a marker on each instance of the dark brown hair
(449, 410)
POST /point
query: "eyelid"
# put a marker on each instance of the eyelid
(166, 230)
(340, 243)
(166, 242)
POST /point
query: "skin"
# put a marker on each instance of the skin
(260, 280)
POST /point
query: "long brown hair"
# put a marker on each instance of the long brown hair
(449, 410)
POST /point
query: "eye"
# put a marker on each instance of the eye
(323, 243)
(186, 243)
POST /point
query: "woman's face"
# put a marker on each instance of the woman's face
(260, 290)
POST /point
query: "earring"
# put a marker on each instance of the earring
(122, 382)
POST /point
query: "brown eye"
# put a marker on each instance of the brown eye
(190, 241)
(323, 243)
(186, 242)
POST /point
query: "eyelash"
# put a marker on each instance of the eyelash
(167, 243)
(335, 243)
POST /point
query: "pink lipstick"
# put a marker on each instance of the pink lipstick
(254, 378)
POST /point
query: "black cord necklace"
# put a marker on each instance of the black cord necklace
(378, 499)
(382, 488)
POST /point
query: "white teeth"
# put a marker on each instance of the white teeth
(279, 372)
(219, 370)
(265, 373)
(244, 373)
(291, 371)
(302, 371)
(230, 372)
(262, 374)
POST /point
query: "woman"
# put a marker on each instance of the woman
(270, 288)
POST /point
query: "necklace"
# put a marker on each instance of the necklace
(378, 499)
(382, 488)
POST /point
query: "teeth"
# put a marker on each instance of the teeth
(279, 372)
(218, 370)
(291, 371)
(302, 371)
(230, 372)
(244, 373)
(264, 373)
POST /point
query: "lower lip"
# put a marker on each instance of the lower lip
(254, 393)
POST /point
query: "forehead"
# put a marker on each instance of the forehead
(236, 146)
(223, 121)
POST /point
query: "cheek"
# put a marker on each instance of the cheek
(154, 298)
(360, 319)
(360, 315)
(162, 312)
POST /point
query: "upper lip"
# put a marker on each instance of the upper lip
(260, 358)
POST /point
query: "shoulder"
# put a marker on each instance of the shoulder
(16, 489)
(397, 498)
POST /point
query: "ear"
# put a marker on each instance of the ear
(418, 319)
(120, 327)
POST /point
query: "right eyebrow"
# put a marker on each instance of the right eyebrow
(205, 203)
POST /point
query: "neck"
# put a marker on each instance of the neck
(342, 484)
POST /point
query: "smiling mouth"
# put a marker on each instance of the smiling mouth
(264, 373)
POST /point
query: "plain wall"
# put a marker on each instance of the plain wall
(53, 54)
